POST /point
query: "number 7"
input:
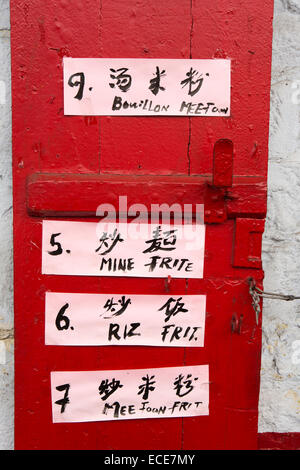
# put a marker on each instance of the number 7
(65, 400)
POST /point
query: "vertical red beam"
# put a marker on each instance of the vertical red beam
(223, 163)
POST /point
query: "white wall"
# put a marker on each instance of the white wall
(6, 280)
(280, 375)
(280, 384)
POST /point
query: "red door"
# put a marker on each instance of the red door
(65, 166)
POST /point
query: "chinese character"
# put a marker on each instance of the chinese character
(155, 82)
(186, 385)
(172, 311)
(108, 388)
(110, 306)
(147, 386)
(190, 82)
(115, 239)
(161, 243)
(123, 79)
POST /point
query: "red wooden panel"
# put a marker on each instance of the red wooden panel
(57, 160)
(279, 441)
(241, 31)
(145, 145)
(223, 163)
(41, 35)
(248, 238)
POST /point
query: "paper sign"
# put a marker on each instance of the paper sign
(108, 249)
(147, 87)
(117, 319)
(130, 394)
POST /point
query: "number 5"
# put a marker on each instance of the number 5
(54, 243)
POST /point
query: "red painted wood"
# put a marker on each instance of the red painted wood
(157, 29)
(223, 163)
(242, 31)
(279, 441)
(79, 161)
(46, 193)
(247, 245)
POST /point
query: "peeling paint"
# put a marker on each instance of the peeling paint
(6, 334)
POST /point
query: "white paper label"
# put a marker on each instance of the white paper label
(117, 319)
(147, 87)
(136, 250)
(130, 394)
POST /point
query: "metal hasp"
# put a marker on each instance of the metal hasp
(223, 164)
(64, 167)
(215, 210)
(219, 195)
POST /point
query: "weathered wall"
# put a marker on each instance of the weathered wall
(280, 384)
(6, 280)
(280, 389)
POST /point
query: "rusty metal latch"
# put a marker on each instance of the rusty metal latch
(256, 294)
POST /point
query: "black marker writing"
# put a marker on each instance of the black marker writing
(65, 400)
(129, 331)
(62, 322)
(80, 82)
